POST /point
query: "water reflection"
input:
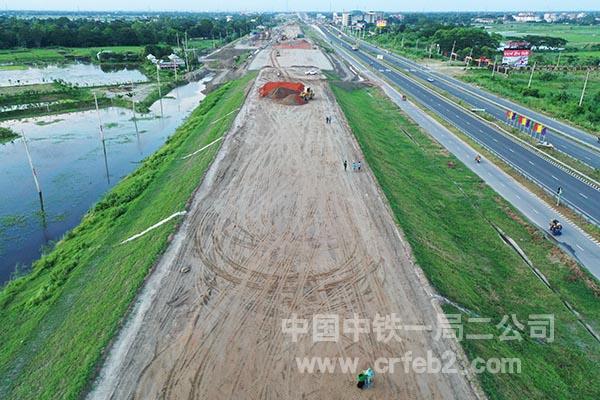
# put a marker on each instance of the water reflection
(76, 73)
(68, 155)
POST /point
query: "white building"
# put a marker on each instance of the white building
(345, 18)
(526, 17)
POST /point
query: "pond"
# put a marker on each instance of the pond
(81, 74)
(69, 161)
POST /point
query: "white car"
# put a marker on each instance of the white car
(545, 144)
(311, 72)
(430, 80)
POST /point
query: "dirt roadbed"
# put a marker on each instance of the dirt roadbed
(279, 230)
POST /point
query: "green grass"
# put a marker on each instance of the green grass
(576, 35)
(203, 44)
(13, 67)
(61, 98)
(56, 321)
(7, 134)
(57, 54)
(446, 213)
(555, 93)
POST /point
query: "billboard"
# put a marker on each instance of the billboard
(381, 23)
(516, 57)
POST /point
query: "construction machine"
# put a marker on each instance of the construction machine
(307, 94)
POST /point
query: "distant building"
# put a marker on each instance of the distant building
(527, 17)
(369, 17)
(336, 18)
(355, 19)
(151, 58)
(174, 62)
(484, 20)
(345, 18)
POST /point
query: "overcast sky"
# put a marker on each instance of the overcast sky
(283, 5)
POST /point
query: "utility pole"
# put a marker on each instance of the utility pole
(187, 60)
(417, 44)
(531, 76)
(587, 76)
(494, 68)
(102, 138)
(558, 193)
(558, 61)
(159, 91)
(35, 178)
(452, 51)
(133, 110)
(402, 44)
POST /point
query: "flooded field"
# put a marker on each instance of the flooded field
(67, 154)
(81, 74)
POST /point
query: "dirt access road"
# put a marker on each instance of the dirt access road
(278, 227)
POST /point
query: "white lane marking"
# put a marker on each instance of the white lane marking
(535, 211)
(154, 226)
(580, 248)
(531, 162)
(199, 150)
(518, 197)
(495, 140)
(555, 177)
(583, 195)
(511, 150)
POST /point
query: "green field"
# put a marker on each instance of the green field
(580, 36)
(56, 322)
(556, 93)
(59, 53)
(202, 44)
(448, 216)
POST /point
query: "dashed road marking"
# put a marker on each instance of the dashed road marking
(583, 195)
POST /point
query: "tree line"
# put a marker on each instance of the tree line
(422, 32)
(85, 32)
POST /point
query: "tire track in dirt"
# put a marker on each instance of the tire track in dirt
(278, 227)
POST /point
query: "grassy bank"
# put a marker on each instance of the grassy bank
(60, 54)
(7, 134)
(56, 321)
(447, 214)
(556, 93)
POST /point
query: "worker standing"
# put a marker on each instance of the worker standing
(345, 165)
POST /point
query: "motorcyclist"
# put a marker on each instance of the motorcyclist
(478, 158)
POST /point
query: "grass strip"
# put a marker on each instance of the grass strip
(447, 214)
(56, 322)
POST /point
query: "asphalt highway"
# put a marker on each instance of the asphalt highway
(573, 142)
(580, 196)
